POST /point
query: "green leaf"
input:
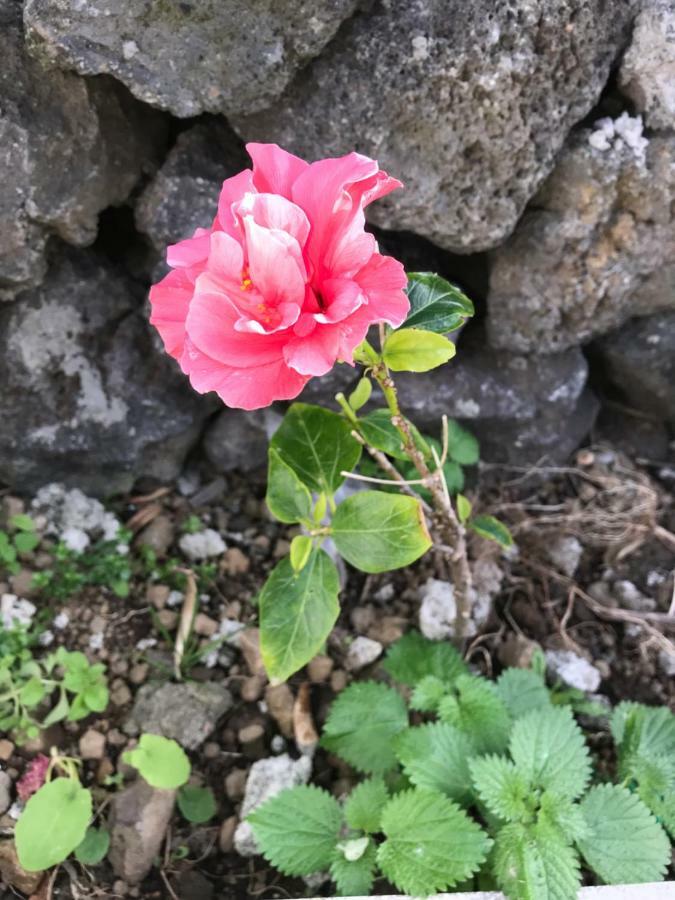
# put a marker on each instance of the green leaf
(413, 657)
(317, 444)
(26, 541)
(287, 498)
(562, 815)
(22, 522)
(464, 507)
(431, 844)
(363, 809)
(428, 694)
(492, 529)
(377, 532)
(362, 723)
(412, 350)
(522, 690)
(625, 842)
(354, 877)
(298, 829)
(96, 696)
(462, 445)
(297, 612)
(530, 864)
(380, 433)
(94, 847)
(435, 304)
(59, 712)
(501, 786)
(53, 824)
(32, 692)
(361, 394)
(654, 777)
(454, 476)
(549, 749)
(479, 712)
(197, 804)
(301, 547)
(161, 761)
(434, 757)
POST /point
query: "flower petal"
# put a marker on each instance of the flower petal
(275, 263)
(383, 280)
(340, 298)
(275, 212)
(233, 189)
(170, 301)
(314, 354)
(274, 169)
(189, 252)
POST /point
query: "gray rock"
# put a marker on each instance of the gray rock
(521, 408)
(72, 146)
(573, 669)
(211, 56)
(438, 609)
(5, 792)
(362, 652)
(468, 103)
(187, 712)
(140, 815)
(596, 247)
(86, 397)
(639, 359)
(647, 73)
(236, 439)
(564, 551)
(158, 535)
(266, 778)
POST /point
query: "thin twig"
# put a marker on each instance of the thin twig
(187, 615)
(389, 468)
(390, 481)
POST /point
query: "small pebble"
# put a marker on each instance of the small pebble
(6, 749)
(319, 669)
(204, 625)
(362, 652)
(139, 673)
(92, 744)
(235, 783)
(226, 836)
(252, 688)
(120, 695)
(338, 680)
(157, 595)
(235, 562)
(168, 619)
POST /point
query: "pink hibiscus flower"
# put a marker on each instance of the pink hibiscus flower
(284, 283)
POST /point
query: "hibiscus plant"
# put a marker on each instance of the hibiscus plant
(284, 284)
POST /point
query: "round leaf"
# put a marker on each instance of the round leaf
(412, 350)
(161, 762)
(196, 803)
(53, 824)
(287, 497)
(94, 847)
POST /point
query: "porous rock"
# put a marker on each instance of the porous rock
(522, 408)
(573, 670)
(211, 56)
(187, 712)
(639, 359)
(73, 146)
(237, 439)
(468, 103)
(647, 73)
(86, 396)
(267, 778)
(596, 247)
(138, 822)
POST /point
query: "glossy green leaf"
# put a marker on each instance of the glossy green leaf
(161, 761)
(196, 803)
(94, 847)
(412, 350)
(361, 394)
(53, 824)
(287, 498)
(380, 433)
(462, 445)
(317, 444)
(301, 547)
(376, 531)
(435, 304)
(492, 529)
(297, 612)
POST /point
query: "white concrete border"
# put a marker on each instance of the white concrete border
(664, 890)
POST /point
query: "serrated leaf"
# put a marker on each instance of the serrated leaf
(625, 842)
(463, 447)
(562, 815)
(362, 723)
(53, 824)
(435, 758)
(522, 690)
(428, 694)
(317, 444)
(501, 786)
(415, 350)
(94, 847)
(196, 803)
(413, 657)
(161, 761)
(298, 829)
(361, 394)
(380, 433)
(297, 612)
(492, 529)
(435, 304)
(364, 805)
(431, 844)
(301, 548)
(377, 532)
(479, 712)
(549, 749)
(354, 878)
(529, 864)
(287, 497)
(654, 777)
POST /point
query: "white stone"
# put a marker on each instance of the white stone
(202, 545)
(564, 551)
(75, 539)
(438, 610)
(61, 620)
(70, 515)
(574, 670)
(266, 779)
(362, 652)
(15, 611)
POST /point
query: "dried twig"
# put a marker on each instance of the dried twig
(187, 615)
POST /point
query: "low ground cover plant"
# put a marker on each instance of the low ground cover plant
(478, 784)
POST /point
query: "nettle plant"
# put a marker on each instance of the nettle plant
(493, 786)
(284, 284)
(59, 818)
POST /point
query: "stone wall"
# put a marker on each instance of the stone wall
(536, 139)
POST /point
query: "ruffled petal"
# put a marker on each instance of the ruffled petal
(170, 301)
(274, 170)
(275, 264)
(383, 280)
(191, 251)
(314, 354)
(340, 298)
(232, 191)
(275, 212)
